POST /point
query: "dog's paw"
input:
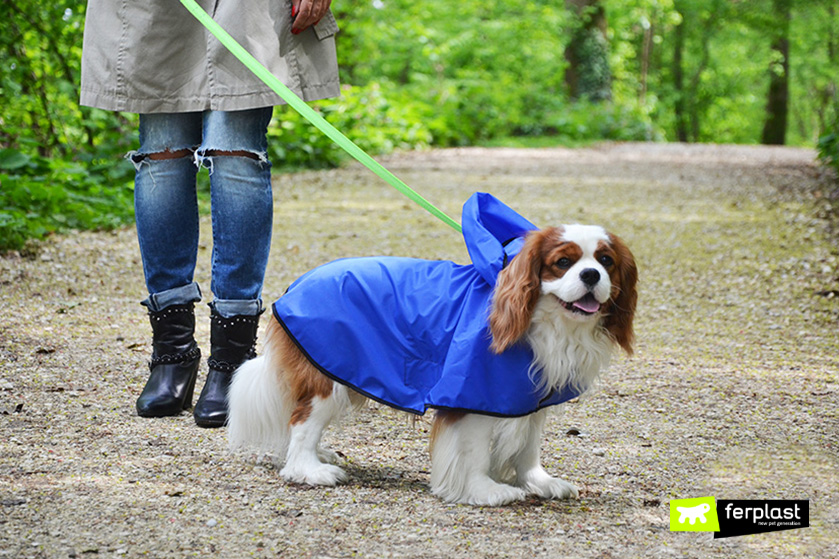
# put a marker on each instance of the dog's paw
(538, 482)
(328, 456)
(488, 493)
(321, 474)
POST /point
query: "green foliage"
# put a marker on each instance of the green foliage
(480, 70)
(584, 121)
(828, 147)
(418, 73)
(726, 60)
(40, 195)
(377, 121)
(61, 165)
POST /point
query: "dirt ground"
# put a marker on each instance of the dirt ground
(733, 391)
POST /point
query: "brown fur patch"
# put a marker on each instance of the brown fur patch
(304, 381)
(517, 291)
(621, 313)
(552, 254)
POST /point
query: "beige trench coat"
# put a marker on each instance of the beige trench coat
(152, 56)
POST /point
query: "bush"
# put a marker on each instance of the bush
(376, 120)
(828, 149)
(382, 117)
(585, 121)
(39, 196)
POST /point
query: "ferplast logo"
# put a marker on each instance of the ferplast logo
(694, 515)
(728, 518)
(740, 518)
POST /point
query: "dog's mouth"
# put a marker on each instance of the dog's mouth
(586, 305)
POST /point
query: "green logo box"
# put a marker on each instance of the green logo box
(694, 515)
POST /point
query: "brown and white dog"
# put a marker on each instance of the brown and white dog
(570, 294)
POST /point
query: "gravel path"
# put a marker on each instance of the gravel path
(733, 391)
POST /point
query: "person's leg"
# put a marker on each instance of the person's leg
(165, 202)
(234, 151)
(166, 211)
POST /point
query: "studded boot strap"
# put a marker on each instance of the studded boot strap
(232, 341)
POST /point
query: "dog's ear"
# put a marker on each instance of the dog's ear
(516, 293)
(618, 321)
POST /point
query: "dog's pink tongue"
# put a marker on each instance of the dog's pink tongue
(588, 304)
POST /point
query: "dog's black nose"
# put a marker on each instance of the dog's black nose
(590, 276)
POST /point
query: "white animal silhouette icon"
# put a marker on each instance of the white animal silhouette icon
(693, 513)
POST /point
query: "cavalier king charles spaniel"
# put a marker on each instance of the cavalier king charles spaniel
(569, 294)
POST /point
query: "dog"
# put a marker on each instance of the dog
(562, 304)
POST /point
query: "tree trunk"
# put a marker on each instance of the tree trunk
(777, 102)
(588, 75)
(646, 54)
(678, 83)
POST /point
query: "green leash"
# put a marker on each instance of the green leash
(310, 114)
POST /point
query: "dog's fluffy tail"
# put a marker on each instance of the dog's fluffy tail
(259, 407)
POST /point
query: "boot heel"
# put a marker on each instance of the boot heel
(191, 386)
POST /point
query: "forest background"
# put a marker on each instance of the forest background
(419, 73)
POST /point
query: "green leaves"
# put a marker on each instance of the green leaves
(39, 196)
(61, 165)
(11, 159)
(418, 73)
(828, 148)
(378, 118)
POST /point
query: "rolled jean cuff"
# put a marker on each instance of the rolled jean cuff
(189, 293)
(228, 308)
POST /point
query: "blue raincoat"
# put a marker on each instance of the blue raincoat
(413, 333)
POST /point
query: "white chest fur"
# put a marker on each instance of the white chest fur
(567, 351)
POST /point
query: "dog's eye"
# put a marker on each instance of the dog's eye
(606, 261)
(563, 263)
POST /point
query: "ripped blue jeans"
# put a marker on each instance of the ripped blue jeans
(232, 146)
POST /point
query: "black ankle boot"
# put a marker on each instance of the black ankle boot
(232, 342)
(174, 363)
